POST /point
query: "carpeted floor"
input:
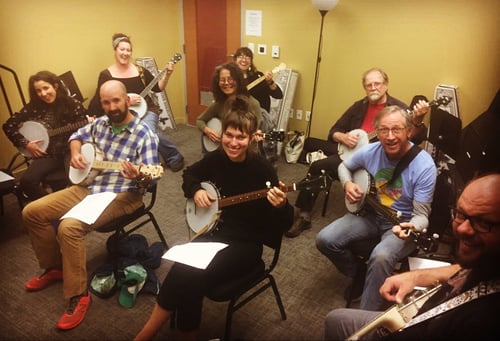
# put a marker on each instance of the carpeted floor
(309, 285)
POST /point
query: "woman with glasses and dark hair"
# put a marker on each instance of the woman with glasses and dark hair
(243, 57)
(50, 109)
(227, 82)
(235, 169)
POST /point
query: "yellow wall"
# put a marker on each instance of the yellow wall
(62, 35)
(419, 43)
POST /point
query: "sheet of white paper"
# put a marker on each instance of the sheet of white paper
(424, 263)
(197, 254)
(253, 23)
(90, 208)
(5, 177)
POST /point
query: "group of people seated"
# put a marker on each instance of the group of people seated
(402, 175)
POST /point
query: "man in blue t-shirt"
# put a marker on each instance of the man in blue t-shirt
(410, 192)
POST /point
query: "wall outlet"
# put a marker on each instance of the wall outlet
(308, 115)
(251, 46)
(290, 113)
(275, 51)
(298, 114)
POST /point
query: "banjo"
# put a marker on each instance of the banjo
(280, 67)
(142, 107)
(94, 157)
(204, 219)
(364, 138)
(216, 124)
(396, 317)
(34, 130)
(369, 197)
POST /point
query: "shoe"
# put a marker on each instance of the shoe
(75, 313)
(354, 291)
(300, 225)
(177, 166)
(47, 278)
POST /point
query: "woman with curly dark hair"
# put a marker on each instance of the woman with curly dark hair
(227, 82)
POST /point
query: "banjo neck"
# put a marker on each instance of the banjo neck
(175, 58)
(103, 165)
(396, 317)
(245, 197)
(256, 82)
(388, 213)
(67, 128)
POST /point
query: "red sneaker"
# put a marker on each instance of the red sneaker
(46, 279)
(75, 313)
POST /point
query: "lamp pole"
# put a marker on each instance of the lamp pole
(316, 74)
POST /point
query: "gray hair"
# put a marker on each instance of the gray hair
(379, 70)
(391, 109)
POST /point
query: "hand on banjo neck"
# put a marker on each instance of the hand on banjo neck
(360, 194)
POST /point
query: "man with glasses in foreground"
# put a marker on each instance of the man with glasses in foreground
(467, 304)
(408, 191)
(360, 115)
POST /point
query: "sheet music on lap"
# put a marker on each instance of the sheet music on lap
(90, 208)
(197, 254)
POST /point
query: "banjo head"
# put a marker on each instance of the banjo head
(362, 178)
(79, 176)
(140, 108)
(199, 217)
(345, 152)
(215, 124)
(33, 130)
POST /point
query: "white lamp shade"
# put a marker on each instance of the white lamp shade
(325, 5)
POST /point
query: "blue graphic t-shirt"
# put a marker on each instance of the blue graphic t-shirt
(416, 182)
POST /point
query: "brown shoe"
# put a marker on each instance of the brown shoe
(300, 225)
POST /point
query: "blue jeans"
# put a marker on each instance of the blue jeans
(334, 239)
(167, 150)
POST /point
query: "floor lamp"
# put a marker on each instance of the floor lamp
(323, 6)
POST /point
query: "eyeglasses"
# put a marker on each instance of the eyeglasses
(226, 80)
(242, 56)
(395, 131)
(478, 224)
(375, 85)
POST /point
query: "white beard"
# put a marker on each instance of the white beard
(374, 96)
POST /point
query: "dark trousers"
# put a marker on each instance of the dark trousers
(185, 287)
(38, 171)
(305, 200)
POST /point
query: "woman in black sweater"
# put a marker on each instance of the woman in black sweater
(235, 168)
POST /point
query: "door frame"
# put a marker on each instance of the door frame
(233, 40)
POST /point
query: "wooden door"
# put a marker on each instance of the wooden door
(211, 34)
